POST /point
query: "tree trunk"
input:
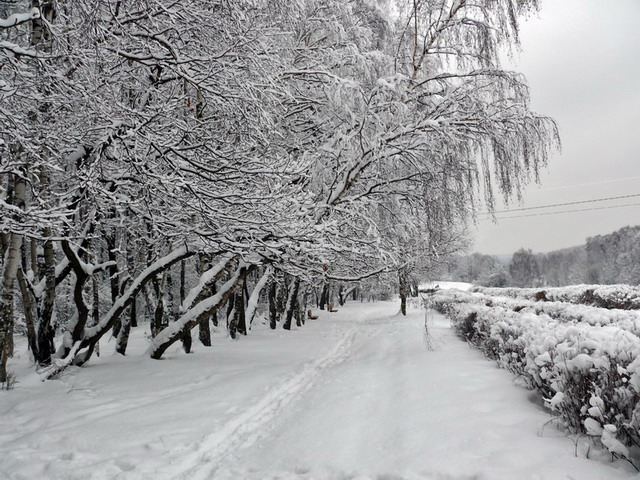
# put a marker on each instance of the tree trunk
(10, 267)
(204, 329)
(122, 340)
(33, 254)
(114, 285)
(214, 315)
(187, 340)
(291, 303)
(342, 295)
(29, 318)
(76, 326)
(158, 315)
(324, 296)
(204, 334)
(10, 270)
(132, 271)
(123, 335)
(273, 310)
(95, 315)
(404, 291)
(300, 309)
(46, 332)
(231, 304)
(28, 302)
(232, 315)
(237, 321)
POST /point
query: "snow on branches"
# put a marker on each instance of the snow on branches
(283, 134)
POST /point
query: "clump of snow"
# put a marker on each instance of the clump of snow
(592, 427)
(609, 440)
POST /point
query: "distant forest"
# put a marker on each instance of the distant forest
(603, 259)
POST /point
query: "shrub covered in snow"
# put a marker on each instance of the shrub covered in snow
(588, 373)
(624, 297)
(566, 312)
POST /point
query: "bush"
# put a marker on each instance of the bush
(589, 375)
(623, 297)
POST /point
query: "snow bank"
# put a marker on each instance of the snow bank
(588, 373)
(565, 312)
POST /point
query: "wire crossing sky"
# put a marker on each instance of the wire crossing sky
(581, 60)
(594, 200)
(567, 211)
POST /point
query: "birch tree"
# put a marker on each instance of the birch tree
(328, 141)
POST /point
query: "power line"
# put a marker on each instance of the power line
(590, 184)
(564, 211)
(564, 204)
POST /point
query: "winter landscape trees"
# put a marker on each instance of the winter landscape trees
(164, 162)
(603, 259)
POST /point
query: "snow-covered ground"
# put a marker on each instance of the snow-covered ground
(353, 395)
(447, 285)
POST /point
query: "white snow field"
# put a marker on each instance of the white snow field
(353, 395)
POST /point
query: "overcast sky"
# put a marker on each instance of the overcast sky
(582, 62)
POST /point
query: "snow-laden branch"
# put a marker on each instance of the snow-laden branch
(17, 50)
(91, 335)
(19, 18)
(60, 364)
(200, 312)
(206, 278)
(127, 297)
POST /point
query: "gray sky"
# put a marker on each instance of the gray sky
(582, 61)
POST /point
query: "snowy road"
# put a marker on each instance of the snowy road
(396, 410)
(354, 395)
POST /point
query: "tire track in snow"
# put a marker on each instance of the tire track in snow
(246, 428)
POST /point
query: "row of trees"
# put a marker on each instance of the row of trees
(614, 258)
(603, 259)
(167, 161)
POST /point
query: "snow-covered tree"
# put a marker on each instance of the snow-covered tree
(524, 269)
(178, 150)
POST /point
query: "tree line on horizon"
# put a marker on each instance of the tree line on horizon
(604, 259)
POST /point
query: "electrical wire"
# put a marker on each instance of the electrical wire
(590, 184)
(563, 204)
(564, 211)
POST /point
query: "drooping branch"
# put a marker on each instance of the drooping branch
(207, 278)
(198, 313)
(92, 335)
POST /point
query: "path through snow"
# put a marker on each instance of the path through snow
(395, 410)
(354, 395)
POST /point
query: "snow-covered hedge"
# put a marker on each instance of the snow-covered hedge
(563, 311)
(589, 375)
(624, 297)
(566, 312)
